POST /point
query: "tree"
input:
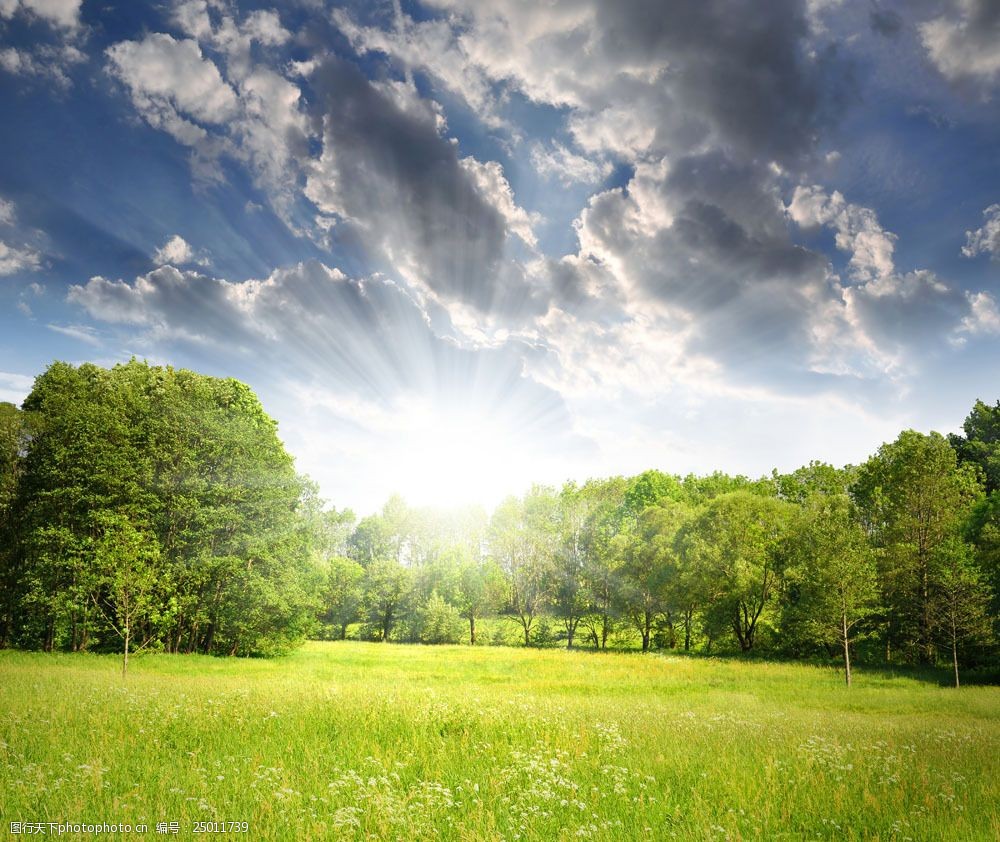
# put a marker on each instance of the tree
(440, 621)
(522, 543)
(342, 594)
(980, 446)
(387, 588)
(834, 572)
(193, 461)
(912, 496)
(651, 577)
(735, 541)
(608, 530)
(128, 586)
(960, 598)
(479, 592)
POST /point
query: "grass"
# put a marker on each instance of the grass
(371, 741)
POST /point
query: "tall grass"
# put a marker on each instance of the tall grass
(372, 741)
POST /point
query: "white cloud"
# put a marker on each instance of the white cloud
(6, 212)
(496, 190)
(178, 252)
(964, 43)
(985, 240)
(60, 13)
(13, 260)
(14, 388)
(857, 231)
(163, 73)
(82, 333)
(569, 168)
(44, 61)
(983, 318)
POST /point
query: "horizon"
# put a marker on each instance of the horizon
(456, 247)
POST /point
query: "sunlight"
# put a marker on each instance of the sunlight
(455, 458)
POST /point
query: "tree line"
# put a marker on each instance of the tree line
(147, 507)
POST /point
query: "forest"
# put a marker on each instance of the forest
(147, 508)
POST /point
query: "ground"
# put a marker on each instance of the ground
(383, 741)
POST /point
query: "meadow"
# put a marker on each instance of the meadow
(380, 741)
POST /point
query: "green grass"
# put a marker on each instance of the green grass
(371, 741)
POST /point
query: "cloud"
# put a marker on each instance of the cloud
(167, 78)
(569, 168)
(310, 324)
(246, 110)
(858, 231)
(983, 318)
(687, 74)
(885, 22)
(64, 14)
(964, 43)
(7, 213)
(441, 221)
(177, 251)
(14, 260)
(985, 240)
(14, 388)
(82, 333)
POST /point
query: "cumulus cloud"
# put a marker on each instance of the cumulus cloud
(964, 43)
(178, 252)
(857, 231)
(165, 75)
(241, 108)
(985, 240)
(441, 221)
(560, 163)
(6, 212)
(64, 14)
(367, 337)
(14, 260)
(44, 61)
(983, 318)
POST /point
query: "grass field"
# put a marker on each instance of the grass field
(371, 741)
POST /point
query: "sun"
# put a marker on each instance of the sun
(452, 457)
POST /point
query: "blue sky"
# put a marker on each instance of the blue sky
(458, 246)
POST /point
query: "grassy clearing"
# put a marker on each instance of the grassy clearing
(362, 741)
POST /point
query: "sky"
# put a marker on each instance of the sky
(460, 246)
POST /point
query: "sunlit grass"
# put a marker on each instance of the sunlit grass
(360, 741)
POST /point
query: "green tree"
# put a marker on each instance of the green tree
(980, 444)
(440, 621)
(387, 589)
(912, 496)
(342, 594)
(960, 599)
(523, 539)
(735, 541)
(128, 586)
(479, 592)
(651, 585)
(834, 573)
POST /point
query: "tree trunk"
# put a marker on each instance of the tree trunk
(847, 647)
(127, 636)
(343, 631)
(954, 649)
(472, 630)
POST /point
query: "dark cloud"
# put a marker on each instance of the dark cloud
(745, 67)
(885, 22)
(387, 171)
